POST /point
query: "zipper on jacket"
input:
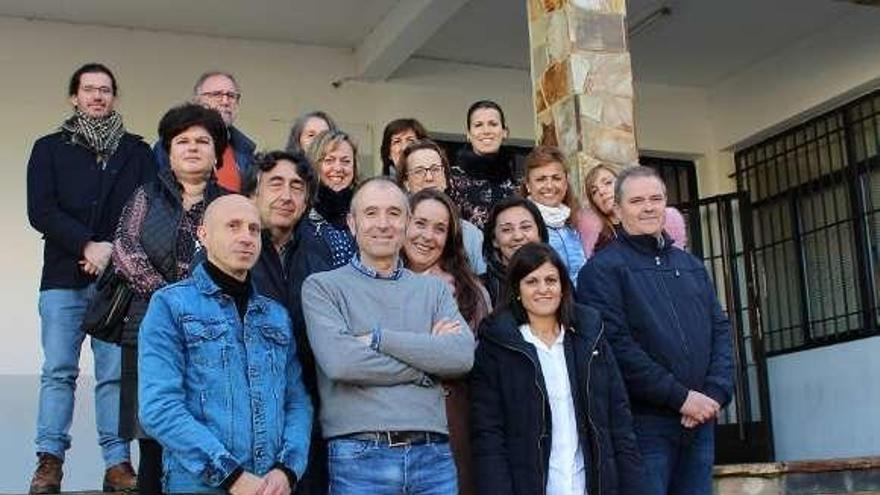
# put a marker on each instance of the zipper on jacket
(114, 305)
(681, 334)
(544, 402)
(593, 430)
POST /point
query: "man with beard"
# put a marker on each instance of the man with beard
(78, 180)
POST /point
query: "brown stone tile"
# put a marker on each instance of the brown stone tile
(551, 5)
(540, 102)
(555, 83)
(546, 128)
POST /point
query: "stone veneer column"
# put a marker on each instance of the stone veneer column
(582, 80)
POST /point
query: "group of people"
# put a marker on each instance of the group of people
(445, 327)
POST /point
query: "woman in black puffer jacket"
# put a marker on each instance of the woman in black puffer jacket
(543, 360)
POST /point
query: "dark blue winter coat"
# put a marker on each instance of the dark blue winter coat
(73, 199)
(663, 320)
(510, 411)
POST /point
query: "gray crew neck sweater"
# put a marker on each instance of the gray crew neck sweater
(389, 387)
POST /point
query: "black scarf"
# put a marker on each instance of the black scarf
(239, 291)
(495, 168)
(332, 205)
(101, 135)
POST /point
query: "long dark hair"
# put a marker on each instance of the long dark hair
(526, 260)
(453, 260)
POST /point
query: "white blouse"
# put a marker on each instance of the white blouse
(567, 475)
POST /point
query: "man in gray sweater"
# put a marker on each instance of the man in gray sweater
(383, 337)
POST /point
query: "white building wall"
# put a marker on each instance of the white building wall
(825, 402)
(156, 70)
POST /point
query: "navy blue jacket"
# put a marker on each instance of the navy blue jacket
(281, 279)
(73, 199)
(664, 322)
(510, 412)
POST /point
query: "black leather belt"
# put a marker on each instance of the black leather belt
(398, 438)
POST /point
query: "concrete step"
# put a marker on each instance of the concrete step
(859, 475)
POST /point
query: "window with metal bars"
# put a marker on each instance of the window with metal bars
(815, 201)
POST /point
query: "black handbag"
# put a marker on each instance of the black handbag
(105, 314)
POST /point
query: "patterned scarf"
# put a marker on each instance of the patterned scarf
(101, 135)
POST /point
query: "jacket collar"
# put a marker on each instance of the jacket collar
(503, 329)
(206, 285)
(646, 244)
(240, 142)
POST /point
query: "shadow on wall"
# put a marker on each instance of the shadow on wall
(83, 467)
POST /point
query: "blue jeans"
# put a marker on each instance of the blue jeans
(364, 467)
(61, 311)
(678, 461)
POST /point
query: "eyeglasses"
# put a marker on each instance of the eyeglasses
(104, 90)
(217, 95)
(421, 173)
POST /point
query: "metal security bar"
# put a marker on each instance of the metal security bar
(815, 193)
(743, 426)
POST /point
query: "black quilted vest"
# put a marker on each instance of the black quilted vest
(162, 220)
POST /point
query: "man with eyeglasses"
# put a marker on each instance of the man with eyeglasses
(78, 180)
(219, 91)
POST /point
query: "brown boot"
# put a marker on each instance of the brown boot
(120, 478)
(47, 477)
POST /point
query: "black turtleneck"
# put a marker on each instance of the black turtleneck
(239, 291)
(334, 205)
(495, 167)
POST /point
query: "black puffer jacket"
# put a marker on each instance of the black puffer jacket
(510, 412)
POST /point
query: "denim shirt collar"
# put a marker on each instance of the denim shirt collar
(372, 273)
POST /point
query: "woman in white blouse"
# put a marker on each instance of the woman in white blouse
(549, 412)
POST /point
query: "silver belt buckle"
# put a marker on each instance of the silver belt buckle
(395, 444)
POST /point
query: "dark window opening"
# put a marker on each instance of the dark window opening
(815, 200)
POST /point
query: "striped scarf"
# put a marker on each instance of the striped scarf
(101, 135)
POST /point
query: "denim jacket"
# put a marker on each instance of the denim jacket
(218, 393)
